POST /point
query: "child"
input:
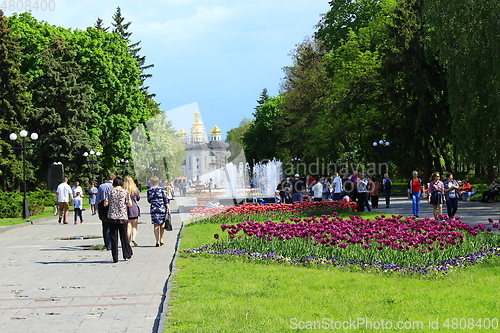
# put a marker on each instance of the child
(77, 203)
(277, 198)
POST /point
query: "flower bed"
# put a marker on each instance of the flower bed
(394, 243)
(235, 214)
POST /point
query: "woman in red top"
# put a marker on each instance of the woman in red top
(415, 192)
(466, 190)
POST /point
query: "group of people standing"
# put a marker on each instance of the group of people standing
(356, 187)
(116, 203)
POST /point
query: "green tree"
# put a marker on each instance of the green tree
(61, 104)
(235, 139)
(14, 105)
(121, 28)
(466, 36)
(98, 25)
(261, 138)
(344, 17)
(304, 101)
(156, 149)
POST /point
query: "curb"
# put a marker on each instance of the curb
(25, 224)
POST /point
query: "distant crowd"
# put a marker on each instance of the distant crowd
(366, 191)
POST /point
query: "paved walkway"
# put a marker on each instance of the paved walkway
(471, 212)
(51, 282)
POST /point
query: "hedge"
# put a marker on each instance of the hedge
(11, 204)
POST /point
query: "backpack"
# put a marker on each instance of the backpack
(388, 184)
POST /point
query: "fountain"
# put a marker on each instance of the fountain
(267, 176)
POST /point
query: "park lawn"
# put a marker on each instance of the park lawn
(228, 294)
(47, 212)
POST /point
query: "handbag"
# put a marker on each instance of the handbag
(168, 222)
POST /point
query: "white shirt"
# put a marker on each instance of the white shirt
(318, 190)
(77, 189)
(77, 202)
(63, 192)
(337, 185)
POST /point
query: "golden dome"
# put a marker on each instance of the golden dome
(182, 132)
(215, 131)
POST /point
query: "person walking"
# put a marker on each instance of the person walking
(159, 209)
(386, 187)
(374, 192)
(77, 206)
(362, 189)
(117, 200)
(133, 211)
(436, 193)
(64, 194)
(77, 188)
(92, 192)
(415, 188)
(102, 210)
(451, 194)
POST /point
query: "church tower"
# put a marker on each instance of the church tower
(198, 134)
(215, 134)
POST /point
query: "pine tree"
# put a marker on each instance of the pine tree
(98, 25)
(264, 97)
(122, 29)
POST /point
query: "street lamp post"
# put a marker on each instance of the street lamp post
(92, 160)
(296, 161)
(123, 164)
(34, 136)
(379, 150)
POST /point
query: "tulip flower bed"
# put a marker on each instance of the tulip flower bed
(236, 214)
(396, 243)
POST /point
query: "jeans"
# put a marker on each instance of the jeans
(387, 194)
(363, 201)
(297, 197)
(415, 202)
(451, 207)
(336, 196)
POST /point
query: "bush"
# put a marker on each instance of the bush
(11, 204)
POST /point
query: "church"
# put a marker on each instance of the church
(202, 156)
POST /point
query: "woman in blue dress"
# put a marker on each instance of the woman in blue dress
(159, 201)
(92, 191)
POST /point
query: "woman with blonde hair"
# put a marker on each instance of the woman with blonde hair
(159, 201)
(133, 211)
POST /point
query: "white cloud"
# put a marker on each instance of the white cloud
(185, 29)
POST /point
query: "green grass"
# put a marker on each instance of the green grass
(47, 212)
(228, 294)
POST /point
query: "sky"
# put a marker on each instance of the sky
(212, 55)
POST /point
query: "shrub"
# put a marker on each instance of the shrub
(11, 204)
